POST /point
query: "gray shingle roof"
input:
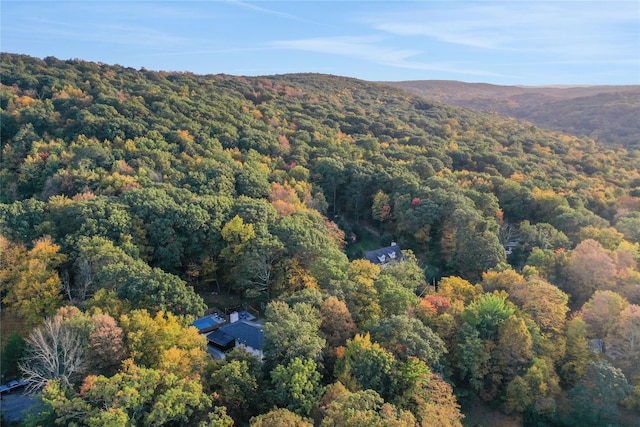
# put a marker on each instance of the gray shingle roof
(245, 332)
(385, 255)
(219, 337)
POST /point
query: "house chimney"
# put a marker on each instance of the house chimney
(393, 244)
(233, 317)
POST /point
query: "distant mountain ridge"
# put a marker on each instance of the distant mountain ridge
(608, 114)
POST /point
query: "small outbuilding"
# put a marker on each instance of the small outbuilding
(209, 323)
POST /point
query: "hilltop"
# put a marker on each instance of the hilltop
(73, 127)
(608, 114)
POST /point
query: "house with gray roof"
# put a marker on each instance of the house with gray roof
(244, 333)
(384, 256)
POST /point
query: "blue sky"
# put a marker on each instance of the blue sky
(500, 42)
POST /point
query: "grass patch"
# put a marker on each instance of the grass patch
(10, 322)
(220, 302)
(480, 414)
(366, 240)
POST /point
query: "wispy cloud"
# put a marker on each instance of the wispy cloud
(225, 51)
(361, 47)
(130, 24)
(372, 50)
(571, 28)
(265, 10)
(119, 34)
(475, 30)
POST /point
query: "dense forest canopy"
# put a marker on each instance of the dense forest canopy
(129, 194)
(607, 114)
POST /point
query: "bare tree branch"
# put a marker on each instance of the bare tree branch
(66, 284)
(84, 278)
(54, 351)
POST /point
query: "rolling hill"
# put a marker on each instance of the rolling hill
(128, 196)
(608, 114)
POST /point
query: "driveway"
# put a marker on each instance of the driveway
(14, 405)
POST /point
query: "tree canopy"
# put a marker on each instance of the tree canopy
(130, 197)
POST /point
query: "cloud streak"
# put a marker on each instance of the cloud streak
(570, 28)
(119, 34)
(371, 49)
(264, 10)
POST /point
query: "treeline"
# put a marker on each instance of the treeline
(603, 113)
(126, 192)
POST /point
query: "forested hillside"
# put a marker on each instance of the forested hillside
(607, 114)
(129, 195)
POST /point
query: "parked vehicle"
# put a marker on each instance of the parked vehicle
(13, 385)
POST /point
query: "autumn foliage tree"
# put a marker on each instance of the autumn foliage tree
(381, 209)
(365, 364)
(589, 268)
(577, 355)
(429, 398)
(601, 312)
(337, 325)
(544, 302)
(30, 283)
(342, 408)
(622, 340)
(336, 328)
(534, 393)
(135, 396)
(361, 295)
(280, 417)
(106, 345)
(164, 341)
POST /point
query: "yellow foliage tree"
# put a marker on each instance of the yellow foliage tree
(164, 341)
(29, 280)
(363, 296)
